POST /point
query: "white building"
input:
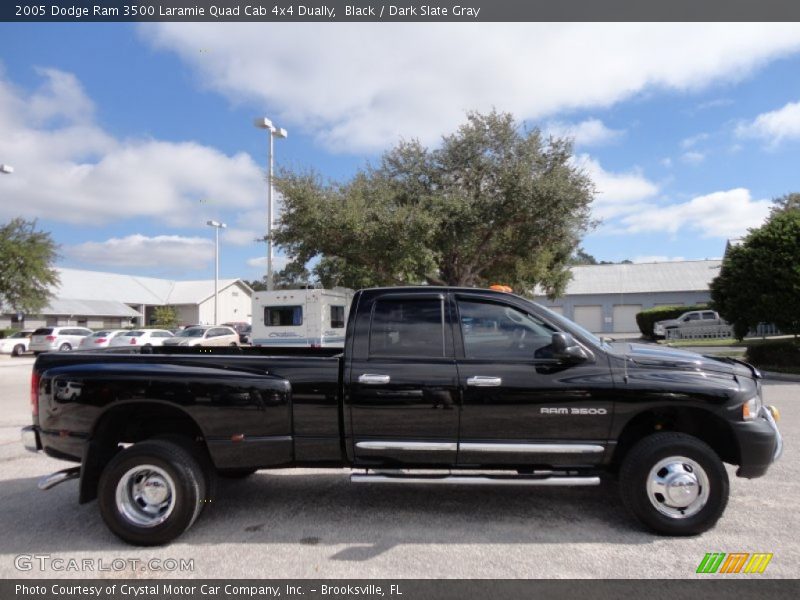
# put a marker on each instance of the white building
(95, 299)
(606, 298)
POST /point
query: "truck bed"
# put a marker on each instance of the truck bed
(256, 407)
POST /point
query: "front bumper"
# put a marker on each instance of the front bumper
(31, 439)
(760, 444)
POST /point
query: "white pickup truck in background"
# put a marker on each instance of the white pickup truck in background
(693, 324)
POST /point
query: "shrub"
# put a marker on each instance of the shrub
(780, 353)
(647, 318)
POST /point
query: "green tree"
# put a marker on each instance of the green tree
(166, 317)
(581, 257)
(492, 204)
(760, 279)
(27, 275)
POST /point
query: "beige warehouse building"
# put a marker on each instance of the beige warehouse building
(97, 300)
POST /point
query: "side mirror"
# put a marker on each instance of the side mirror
(566, 348)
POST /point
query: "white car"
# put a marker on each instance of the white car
(46, 339)
(141, 337)
(16, 343)
(205, 335)
(100, 339)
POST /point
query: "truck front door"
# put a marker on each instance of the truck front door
(521, 406)
(402, 392)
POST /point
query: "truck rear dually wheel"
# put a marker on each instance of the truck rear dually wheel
(674, 483)
(151, 492)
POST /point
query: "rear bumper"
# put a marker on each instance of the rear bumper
(760, 444)
(31, 439)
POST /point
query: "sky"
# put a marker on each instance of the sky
(126, 138)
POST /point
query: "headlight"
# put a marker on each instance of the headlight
(751, 408)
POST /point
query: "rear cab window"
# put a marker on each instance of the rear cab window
(337, 317)
(408, 327)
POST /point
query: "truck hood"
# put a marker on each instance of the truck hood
(667, 322)
(648, 355)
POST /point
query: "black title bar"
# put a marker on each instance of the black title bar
(410, 11)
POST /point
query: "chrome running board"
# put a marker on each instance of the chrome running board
(549, 480)
(52, 480)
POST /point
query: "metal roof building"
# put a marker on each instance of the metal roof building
(606, 298)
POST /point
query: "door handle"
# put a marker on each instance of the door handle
(373, 379)
(483, 381)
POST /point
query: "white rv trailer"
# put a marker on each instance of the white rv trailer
(296, 318)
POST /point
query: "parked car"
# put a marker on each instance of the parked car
(688, 319)
(524, 397)
(142, 337)
(242, 328)
(100, 339)
(17, 343)
(205, 335)
(46, 339)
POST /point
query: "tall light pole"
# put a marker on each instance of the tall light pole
(279, 132)
(217, 226)
(7, 169)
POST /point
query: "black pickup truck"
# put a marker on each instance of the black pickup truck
(434, 386)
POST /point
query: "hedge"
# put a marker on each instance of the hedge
(780, 353)
(647, 318)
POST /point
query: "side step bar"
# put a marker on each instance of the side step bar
(475, 480)
(50, 481)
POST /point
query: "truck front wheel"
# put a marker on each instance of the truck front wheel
(674, 483)
(151, 492)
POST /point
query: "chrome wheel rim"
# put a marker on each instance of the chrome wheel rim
(678, 487)
(146, 495)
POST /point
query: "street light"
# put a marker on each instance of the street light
(217, 226)
(279, 132)
(8, 169)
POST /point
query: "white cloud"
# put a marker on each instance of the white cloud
(692, 141)
(162, 252)
(279, 262)
(775, 126)
(360, 86)
(693, 157)
(617, 193)
(591, 132)
(67, 168)
(723, 214)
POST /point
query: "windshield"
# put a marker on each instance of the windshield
(192, 332)
(99, 334)
(19, 334)
(134, 333)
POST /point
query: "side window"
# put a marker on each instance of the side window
(337, 317)
(692, 317)
(407, 327)
(283, 316)
(709, 315)
(499, 332)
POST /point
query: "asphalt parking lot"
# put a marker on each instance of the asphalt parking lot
(304, 523)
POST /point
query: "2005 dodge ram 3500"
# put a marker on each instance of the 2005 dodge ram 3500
(478, 386)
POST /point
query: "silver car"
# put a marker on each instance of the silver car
(142, 337)
(100, 339)
(46, 339)
(206, 335)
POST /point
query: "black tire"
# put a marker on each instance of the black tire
(64, 347)
(235, 473)
(18, 350)
(233, 345)
(187, 496)
(646, 455)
